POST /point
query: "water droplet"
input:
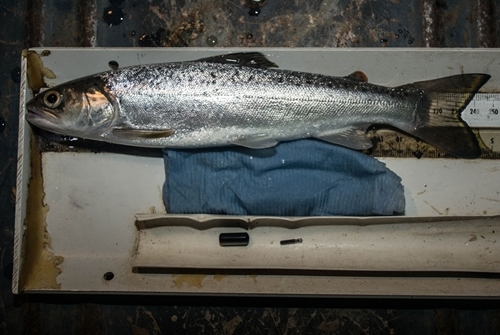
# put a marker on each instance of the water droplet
(257, 1)
(211, 40)
(282, 161)
(113, 64)
(132, 33)
(16, 74)
(2, 125)
(124, 35)
(400, 31)
(113, 15)
(249, 36)
(251, 157)
(410, 40)
(254, 12)
(383, 40)
(397, 36)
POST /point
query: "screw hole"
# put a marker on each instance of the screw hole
(108, 276)
(113, 64)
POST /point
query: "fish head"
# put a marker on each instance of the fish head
(81, 108)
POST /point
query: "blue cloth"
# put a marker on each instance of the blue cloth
(297, 178)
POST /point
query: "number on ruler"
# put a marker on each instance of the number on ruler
(494, 111)
(474, 111)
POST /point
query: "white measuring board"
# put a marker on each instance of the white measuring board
(91, 201)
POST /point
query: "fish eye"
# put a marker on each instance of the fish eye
(52, 99)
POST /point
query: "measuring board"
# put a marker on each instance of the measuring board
(81, 195)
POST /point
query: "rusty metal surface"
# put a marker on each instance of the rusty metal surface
(266, 23)
(316, 23)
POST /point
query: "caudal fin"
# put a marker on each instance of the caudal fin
(439, 121)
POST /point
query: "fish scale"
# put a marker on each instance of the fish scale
(235, 102)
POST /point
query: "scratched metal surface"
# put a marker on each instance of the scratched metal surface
(164, 23)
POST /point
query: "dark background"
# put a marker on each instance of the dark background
(235, 23)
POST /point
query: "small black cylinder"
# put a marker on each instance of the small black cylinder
(234, 239)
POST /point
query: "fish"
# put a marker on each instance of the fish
(243, 99)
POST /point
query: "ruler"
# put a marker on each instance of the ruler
(482, 111)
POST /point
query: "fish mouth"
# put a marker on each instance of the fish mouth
(35, 112)
(41, 118)
(35, 115)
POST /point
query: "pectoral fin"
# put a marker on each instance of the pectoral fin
(256, 142)
(354, 138)
(142, 133)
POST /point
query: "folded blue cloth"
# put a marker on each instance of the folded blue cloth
(297, 178)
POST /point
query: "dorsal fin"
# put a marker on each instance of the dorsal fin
(251, 59)
(358, 76)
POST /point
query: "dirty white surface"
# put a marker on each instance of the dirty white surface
(454, 246)
(93, 199)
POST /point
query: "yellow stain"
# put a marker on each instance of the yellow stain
(40, 265)
(36, 71)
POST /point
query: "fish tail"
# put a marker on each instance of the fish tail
(437, 119)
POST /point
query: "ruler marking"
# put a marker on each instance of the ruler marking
(390, 143)
(481, 111)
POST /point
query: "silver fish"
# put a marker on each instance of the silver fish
(237, 99)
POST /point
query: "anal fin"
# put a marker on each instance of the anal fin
(256, 142)
(351, 137)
